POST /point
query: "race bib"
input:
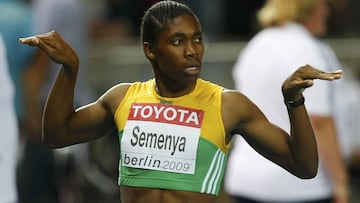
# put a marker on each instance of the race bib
(161, 137)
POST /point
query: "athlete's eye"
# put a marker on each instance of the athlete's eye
(177, 42)
(198, 39)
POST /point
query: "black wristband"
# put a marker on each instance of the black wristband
(290, 104)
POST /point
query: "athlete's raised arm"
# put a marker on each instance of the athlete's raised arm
(296, 152)
(62, 124)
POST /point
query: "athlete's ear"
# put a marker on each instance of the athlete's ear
(149, 51)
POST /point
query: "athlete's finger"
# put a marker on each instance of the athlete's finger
(330, 75)
(32, 41)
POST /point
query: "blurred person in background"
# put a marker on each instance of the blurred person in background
(352, 92)
(43, 173)
(8, 132)
(15, 20)
(289, 39)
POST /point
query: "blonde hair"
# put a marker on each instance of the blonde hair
(278, 12)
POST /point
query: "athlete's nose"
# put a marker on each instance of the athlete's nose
(190, 49)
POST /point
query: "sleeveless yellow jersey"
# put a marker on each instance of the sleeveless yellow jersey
(172, 143)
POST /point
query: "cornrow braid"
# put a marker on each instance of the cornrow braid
(157, 16)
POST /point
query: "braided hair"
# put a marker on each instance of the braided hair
(156, 17)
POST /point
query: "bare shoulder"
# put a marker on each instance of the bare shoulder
(114, 96)
(235, 101)
(237, 108)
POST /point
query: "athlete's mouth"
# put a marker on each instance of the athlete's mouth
(193, 70)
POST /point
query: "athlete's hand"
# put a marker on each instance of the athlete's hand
(302, 78)
(55, 47)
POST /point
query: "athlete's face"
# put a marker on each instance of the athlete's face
(178, 52)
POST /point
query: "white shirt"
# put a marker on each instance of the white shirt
(8, 132)
(269, 58)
